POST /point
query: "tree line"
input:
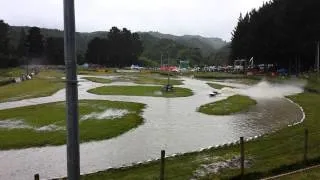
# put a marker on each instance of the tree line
(120, 48)
(113, 48)
(282, 32)
(32, 48)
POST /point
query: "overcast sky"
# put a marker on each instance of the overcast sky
(210, 18)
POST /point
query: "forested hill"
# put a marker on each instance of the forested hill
(82, 39)
(155, 46)
(205, 45)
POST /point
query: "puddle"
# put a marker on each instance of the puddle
(14, 124)
(51, 127)
(20, 124)
(216, 167)
(158, 93)
(107, 114)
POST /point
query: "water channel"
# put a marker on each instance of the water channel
(170, 123)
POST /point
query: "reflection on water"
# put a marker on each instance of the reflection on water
(171, 124)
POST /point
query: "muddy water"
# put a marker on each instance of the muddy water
(170, 124)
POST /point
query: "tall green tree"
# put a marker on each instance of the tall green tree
(282, 32)
(120, 48)
(115, 49)
(4, 50)
(21, 49)
(34, 42)
(137, 47)
(4, 27)
(55, 51)
(98, 51)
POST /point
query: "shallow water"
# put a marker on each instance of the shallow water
(170, 123)
(107, 114)
(13, 124)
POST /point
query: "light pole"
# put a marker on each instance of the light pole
(27, 49)
(73, 155)
(168, 71)
(317, 59)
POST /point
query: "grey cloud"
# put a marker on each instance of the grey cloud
(216, 18)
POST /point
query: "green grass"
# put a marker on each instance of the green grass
(313, 84)
(218, 86)
(305, 175)
(149, 78)
(155, 91)
(165, 74)
(138, 78)
(54, 113)
(238, 78)
(177, 168)
(96, 72)
(252, 80)
(11, 72)
(98, 80)
(155, 80)
(8, 74)
(217, 75)
(232, 104)
(44, 84)
(247, 81)
(272, 154)
(275, 153)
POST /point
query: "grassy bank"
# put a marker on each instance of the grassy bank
(245, 81)
(313, 84)
(218, 75)
(98, 80)
(138, 78)
(308, 174)
(11, 72)
(155, 91)
(239, 78)
(228, 106)
(148, 79)
(177, 168)
(44, 124)
(95, 72)
(44, 84)
(218, 86)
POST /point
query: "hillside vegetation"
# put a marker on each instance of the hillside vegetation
(196, 49)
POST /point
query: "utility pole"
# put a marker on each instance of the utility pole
(168, 69)
(73, 155)
(161, 60)
(318, 54)
(27, 45)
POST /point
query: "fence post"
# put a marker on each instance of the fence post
(242, 155)
(36, 177)
(163, 153)
(305, 157)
